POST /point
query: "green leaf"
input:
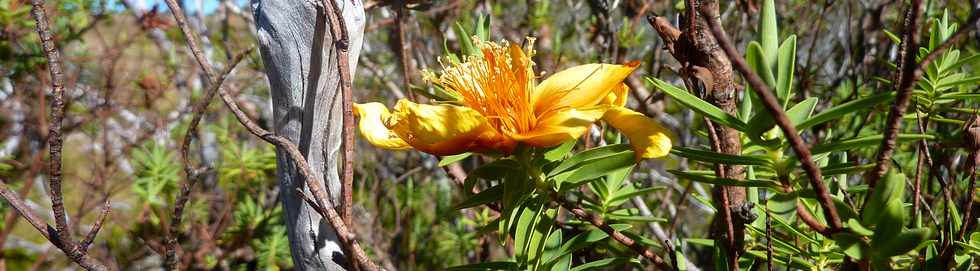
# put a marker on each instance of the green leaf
(845, 109)
(708, 156)
(592, 154)
(843, 209)
(600, 264)
(488, 195)
(485, 266)
(768, 31)
(583, 240)
(483, 28)
(557, 153)
(595, 168)
(694, 103)
(465, 41)
(850, 244)
(903, 243)
(890, 224)
(797, 114)
(449, 159)
(785, 66)
(856, 227)
(621, 196)
(786, 225)
(895, 39)
(495, 170)
(758, 60)
(533, 226)
(889, 189)
(867, 141)
(968, 80)
(701, 242)
(724, 181)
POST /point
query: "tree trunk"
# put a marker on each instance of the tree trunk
(297, 51)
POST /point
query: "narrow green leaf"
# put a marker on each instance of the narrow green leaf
(759, 61)
(592, 154)
(851, 244)
(867, 141)
(583, 240)
(557, 153)
(856, 227)
(622, 197)
(768, 31)
(785, 66)
(724, 181)
(465, 40)
(708, 156)
(967, 80)
(903, 243)
(891, 188)
(607, 262)
(596, 168)
(895, 39)
(449, 159)
(488, 195)
(694, 103)
(485, 266)
(845, 109)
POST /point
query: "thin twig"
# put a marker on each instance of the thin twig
(775, 109)
(341, 39)
(193, 174)
(90, 237)
(616, 235)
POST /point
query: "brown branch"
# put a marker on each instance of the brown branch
(404, 52)
(90, 237)
(83, 259)
(312, 181)
(63, 229)
(341, 39)
(774, 108)
(908, 75)
(906, 70)
(57, 119)
(726, 209)
(616, 235)
(193, 174)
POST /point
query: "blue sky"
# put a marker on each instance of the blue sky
(192, 7)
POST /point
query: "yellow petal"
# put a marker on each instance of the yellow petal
(445, 129)
(649, 138)
(579, 86)
(617, 96)
(373, 129)
(556, 127)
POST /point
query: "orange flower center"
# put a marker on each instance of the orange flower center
(498, 85)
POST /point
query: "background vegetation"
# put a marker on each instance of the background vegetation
(131, 83)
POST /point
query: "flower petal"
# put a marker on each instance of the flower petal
(556, 127)
(579, 86)
(373, 129)
(446, 129)
(649, 138)
(617, 96)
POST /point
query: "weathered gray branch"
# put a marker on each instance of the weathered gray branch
(300, 62)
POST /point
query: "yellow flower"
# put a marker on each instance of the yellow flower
(500, 105)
